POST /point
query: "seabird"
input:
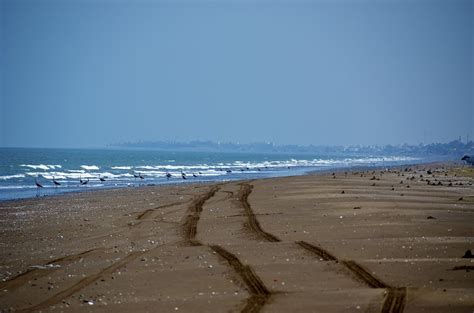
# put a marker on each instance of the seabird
(56, 183)
(38, 187)
(468, 159)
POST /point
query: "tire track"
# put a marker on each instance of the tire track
(147, 212)
(259, 293)
(82, 283)
(252, 222)
(363, 275)
(323, 254)
(395, 300)
(396, 296)
(194, 214)
(32, 273)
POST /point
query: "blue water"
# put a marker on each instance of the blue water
(21, 167)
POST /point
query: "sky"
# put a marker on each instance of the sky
(91, 73)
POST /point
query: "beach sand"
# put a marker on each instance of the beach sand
(356, 241)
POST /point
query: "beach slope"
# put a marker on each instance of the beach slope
(357, 241)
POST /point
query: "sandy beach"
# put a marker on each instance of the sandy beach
(356, 241)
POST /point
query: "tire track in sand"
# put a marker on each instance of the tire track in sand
(323, 254)
(194, 214)
(363, 275)
(395, 300)
(396, 296)
(252, 222)
(82, 283)
(259, 293)
(146, 213)
(35, 273)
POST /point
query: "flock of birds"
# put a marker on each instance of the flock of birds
(136, 175)
(56, 183)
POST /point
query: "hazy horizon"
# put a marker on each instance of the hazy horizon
(93, 73)
(123, 145)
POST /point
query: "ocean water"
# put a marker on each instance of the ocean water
(21, 168)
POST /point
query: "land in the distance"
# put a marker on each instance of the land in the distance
(454, 149)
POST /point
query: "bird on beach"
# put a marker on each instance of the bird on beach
(183, 175)
(229, 171)
(38, 187)
(168, 175)
(135, 175)
(141, 176)
(101, 178)
(82, 181)
(194, 175)
(468, 159)
(56, 183)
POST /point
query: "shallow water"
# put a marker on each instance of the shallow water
(21, 167)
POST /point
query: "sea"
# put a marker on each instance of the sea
(71, 170)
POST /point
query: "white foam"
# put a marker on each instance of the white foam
(121, 167)
(174, 167)
(17, 187)
(34, 174)
(77, 176)
(12, 176)
(42, 166)
(212, 173)
(90, 167)
(314, 162)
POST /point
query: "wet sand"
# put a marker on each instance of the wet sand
(356, 241)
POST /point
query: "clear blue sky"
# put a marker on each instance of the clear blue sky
(89, 73)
